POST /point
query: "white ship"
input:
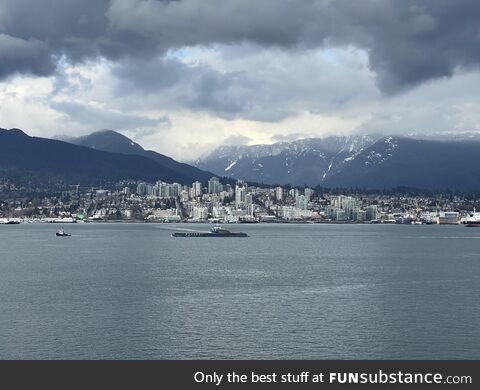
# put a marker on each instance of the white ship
(472, 219)
(8, 221)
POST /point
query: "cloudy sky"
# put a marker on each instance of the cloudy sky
(182, 77)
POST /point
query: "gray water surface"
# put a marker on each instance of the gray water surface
(123, 291)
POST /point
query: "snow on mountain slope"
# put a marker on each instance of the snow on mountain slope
(308, 161)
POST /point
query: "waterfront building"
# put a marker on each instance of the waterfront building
(329, 211)
(200, 213)
(288, 212)
(359, 215)
(338, 215)
(448, 218)
(220, 213)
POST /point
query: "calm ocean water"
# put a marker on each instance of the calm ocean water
(126, 291)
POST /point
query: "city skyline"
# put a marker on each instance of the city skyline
(217, 202)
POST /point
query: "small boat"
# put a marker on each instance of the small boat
(61, 233)
(473, 219)
(216, 231)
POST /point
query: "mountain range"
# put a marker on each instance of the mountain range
(41, 160)
(370, 161)
(308, 161)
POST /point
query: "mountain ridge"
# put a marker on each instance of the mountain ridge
(372, 162)
(404, 162)
(111, 141)
(307, 161)
(36, 159)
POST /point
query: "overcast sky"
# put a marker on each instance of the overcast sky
(182, 77)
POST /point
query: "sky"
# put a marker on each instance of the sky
(183, 77)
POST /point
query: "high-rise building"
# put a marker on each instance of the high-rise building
(372, 213)
(339, 201)
(240, 192)
(184, 195)
(142, 188)
(301, 202)
(229, 190)
(309, 193)
(163, 189)
(150, 190)
(176, 189)
(279, 194)
(197, 189)
(249, 204)
(214, 186)
(348, 205)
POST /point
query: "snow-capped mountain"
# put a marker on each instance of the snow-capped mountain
(308, 161)
(404, 162)
(359, 161)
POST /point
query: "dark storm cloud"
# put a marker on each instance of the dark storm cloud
(169, 83)
(408, 42)
(172, 83)
(29, 56)
(96, 118)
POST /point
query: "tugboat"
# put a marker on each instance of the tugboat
(216, 231)
(61, 233)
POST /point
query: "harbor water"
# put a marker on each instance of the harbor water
(306, 291)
